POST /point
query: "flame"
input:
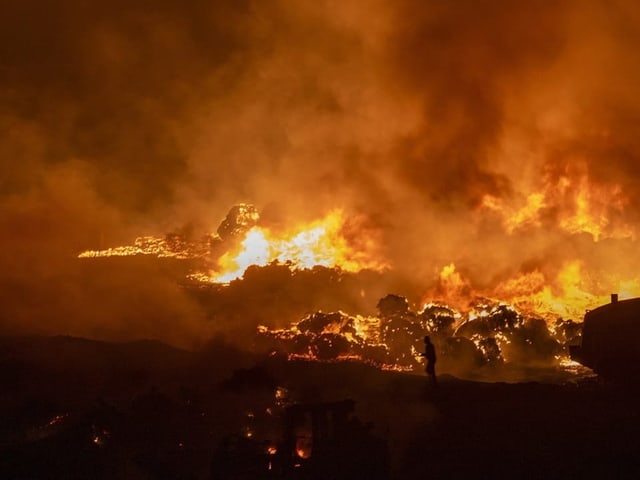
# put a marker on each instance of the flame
(591, 210)
(333, 241)
(573, 292)
(568, 294)
(319, 243)
(515, 219)
(304, 446)
(582, 206)
(452, 287)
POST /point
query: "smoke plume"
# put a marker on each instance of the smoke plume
(498, 137)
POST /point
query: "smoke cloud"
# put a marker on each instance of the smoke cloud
(499, 137)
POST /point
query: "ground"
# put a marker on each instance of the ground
(74, 408)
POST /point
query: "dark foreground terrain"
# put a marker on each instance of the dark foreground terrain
(80, 409)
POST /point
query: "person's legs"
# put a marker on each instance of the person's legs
(431, 372)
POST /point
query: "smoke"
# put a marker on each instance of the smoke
(438, 121)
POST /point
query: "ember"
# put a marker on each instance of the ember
(326, 242)
(204, 201)
(482, 339)
(533, 322)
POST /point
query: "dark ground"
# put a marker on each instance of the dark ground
(74, 408)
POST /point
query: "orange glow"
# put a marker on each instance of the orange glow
(149, 245)
(304, 446)
(453, 289)
(568, 294)
(515, 219)
(527, 215)
(581, 206)
(333, 241)
(590, 213)
(319, 243)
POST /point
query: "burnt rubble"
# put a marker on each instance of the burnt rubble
(185, 243)
(79, 409)
(314, 440)
(489, 336)
(239, 220)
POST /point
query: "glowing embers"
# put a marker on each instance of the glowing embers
(487, 337)
(594, 209)
(304, 444)
(328, 337)
(172, 246)
(329, 242)
(335, 241)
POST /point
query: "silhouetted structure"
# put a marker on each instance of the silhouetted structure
(319, 440)
(610, 340)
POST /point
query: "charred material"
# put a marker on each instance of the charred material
(610, 340)
(400, 329)
(319, 440)
(238, 221)
(325, 336)
(490, 336)
(438, 320)
(515, 338)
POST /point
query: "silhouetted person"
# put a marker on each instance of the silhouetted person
(430, 355)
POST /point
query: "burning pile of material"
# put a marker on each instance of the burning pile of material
(327, 337)
(241, 243)
(488, 336)
(184, 244)
(523, 320)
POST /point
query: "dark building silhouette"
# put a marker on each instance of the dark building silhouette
(611, 340)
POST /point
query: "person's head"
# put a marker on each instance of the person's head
(427, 339)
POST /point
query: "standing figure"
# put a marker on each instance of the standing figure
(430, 355)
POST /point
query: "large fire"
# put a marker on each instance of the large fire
(530, 316)
(573, 202)
(568, 294)
(345, 243)
(319, 243)
(334, 241)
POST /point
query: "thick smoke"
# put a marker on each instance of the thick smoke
(436, 120)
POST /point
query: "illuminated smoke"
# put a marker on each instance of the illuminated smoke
(491, 147)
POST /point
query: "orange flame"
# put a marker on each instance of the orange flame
(319, 243)
(568, 294)
(582, 207)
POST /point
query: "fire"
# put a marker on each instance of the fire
(319, 243)
(170, 247)
(452, 287)
(531, 316)
(515, 219)
(581, 206)
(304, 445)
(335, 241)
(591, 211)
(568, 294)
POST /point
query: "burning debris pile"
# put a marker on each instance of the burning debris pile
(240, 242)
(184, 244)
(172, 246)
(488, 336)
(249, 274)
